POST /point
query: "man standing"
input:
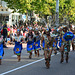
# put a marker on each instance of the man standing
(5, 34)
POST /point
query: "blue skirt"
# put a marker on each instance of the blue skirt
(37, 45)
(30, 46)
(17, 48)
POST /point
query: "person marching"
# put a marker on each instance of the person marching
(30, 42)
(37, 43)
(48, 45)
(18, 45)
(1, 47)
(65, 45)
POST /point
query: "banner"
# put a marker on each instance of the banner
(1, 51)
(18, 47)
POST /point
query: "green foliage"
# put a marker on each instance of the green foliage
(45, 7)
(67, 10)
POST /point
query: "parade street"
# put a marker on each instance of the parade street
(36, 65)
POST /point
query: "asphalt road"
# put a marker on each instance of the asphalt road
(36, 65)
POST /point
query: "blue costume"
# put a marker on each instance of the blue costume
(37, 42)
(18, 48)
(30, 46)
(1, 51)
(30, 43)
(18, 45)
(68, 36)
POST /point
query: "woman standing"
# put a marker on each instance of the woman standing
(18, 45)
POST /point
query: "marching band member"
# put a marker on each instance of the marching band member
(48, 45)
(1, 47)
(18, 45)
(30, 42)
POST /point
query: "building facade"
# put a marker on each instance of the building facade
(6, 15)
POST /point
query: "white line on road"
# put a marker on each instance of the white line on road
(23, 66)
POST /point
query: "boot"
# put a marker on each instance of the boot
(19, 59)
(0, 61)
(38, 53)
(66, 57)
(62, 59)
(47, 63)
(30, 56)
(35, 53)
(55, 52)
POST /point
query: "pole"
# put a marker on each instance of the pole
(57, 14)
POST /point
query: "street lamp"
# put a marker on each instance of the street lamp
(50, 17)
(57, 14)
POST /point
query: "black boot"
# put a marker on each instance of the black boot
(62, 58)
(47, 63)
(66, 57)
(0, 61)
(30, 56)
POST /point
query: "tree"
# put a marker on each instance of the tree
(67, 10)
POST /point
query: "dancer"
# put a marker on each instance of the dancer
(18, 45)
(37, 43)
(30, 42)
(48, 46)
(1, 47)
(65, 45)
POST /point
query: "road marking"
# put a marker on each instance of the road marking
(24, 66)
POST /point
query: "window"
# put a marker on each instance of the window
(6, 9)
(1, 9)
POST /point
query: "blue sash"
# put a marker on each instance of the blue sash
(1, 51)
(37, 45)
(18, 47)
(30, 46)
(68, 36)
